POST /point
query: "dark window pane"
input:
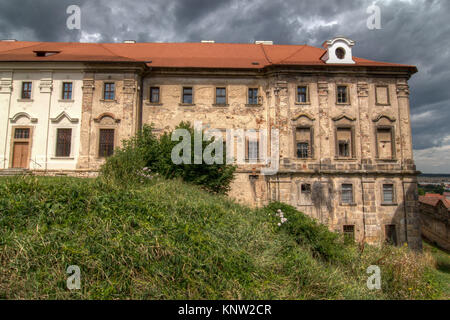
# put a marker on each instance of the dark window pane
(342, 94)
(154, 94)
(109, 91)
(221, 96)
(390, 234)
(21, 133)
(302, 150)
(253, 96)
(344, 149)
(63, 142)
(388, 193)
(252, 149)
(187, 95)
(306, 188)
(67, 91)
(349, 232)
(302, 94)
(26, 90)
(347, 193)
(106, 147)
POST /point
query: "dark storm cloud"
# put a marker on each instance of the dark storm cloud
(413, 32)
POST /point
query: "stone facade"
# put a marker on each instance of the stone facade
(345, 147)
(324, 172)
(119, 114)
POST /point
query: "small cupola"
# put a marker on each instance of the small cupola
(339, 51)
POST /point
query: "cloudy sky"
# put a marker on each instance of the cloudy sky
(412, 32)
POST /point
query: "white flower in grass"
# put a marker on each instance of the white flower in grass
(279, 224)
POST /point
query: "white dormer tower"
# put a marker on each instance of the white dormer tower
(339, 51)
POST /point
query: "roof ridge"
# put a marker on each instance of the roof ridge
(265, 54)
(116, 54)
(294, 53)
(30, 46)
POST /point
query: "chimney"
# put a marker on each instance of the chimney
(129, 41)
(8, 40)
(266, 42)
(208, 41)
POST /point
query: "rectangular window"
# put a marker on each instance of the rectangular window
(221, 96)
(342, 94)
(187, 95)
(305, 194)
(349, 232)
(106, 147)
(384, 143)
(253, 96)
(21, 133)
(347, 193)
(252, 149)
(303, 142)
(67, 91)
(302, 94)
(154, 94)
(302, 150)
(344, 142)
(109, 91)
(390, 234)
(388, 193)
(26, 90)
(63, 142)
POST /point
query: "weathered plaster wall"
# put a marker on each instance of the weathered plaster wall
(43, 113)
(324, 170)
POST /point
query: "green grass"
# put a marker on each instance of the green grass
(170, 240)
(442, 271)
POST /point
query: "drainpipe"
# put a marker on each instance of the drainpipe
(48, 126)
(7, 120)
(361, 164)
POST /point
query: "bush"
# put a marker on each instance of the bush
(146, 151)
(306, 231)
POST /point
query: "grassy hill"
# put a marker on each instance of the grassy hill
(169, 240)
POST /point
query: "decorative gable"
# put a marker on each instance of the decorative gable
(339, 51)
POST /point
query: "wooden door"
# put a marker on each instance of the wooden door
(20, 155)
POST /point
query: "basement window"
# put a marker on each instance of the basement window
(305, 198)
(349, 232)
(390, 234)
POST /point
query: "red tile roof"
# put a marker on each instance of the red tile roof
(195, 55)
(433, 199)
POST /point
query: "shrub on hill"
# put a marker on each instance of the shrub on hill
(144, 156)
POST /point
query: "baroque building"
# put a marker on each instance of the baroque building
(345, 148)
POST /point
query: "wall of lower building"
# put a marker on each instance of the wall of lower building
(435, 224)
